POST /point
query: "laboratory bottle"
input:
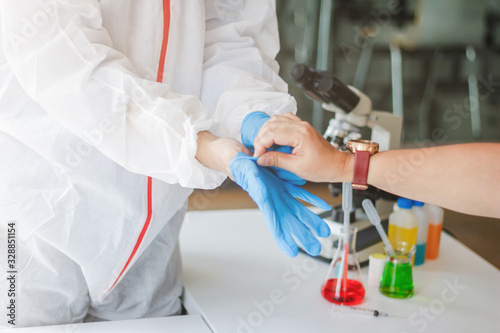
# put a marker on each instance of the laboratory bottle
(343, 283)
(423, 226)
(403, 224)
(436, 215)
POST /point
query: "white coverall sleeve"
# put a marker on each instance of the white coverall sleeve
(69, 67)
(240, 74)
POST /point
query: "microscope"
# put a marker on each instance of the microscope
(354, 119)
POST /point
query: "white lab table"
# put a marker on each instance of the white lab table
(238, 280)
(185, 324)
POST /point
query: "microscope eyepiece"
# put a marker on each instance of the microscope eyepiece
(299, 71)
(324, 87)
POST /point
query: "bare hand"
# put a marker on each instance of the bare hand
(216, 153)
(313, 158)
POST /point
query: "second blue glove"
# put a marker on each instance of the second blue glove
(276, 199)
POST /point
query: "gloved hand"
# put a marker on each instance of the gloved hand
(284, 215)
(250, 128)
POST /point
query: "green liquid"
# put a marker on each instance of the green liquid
(397, 281)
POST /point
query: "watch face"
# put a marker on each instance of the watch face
(362, 145)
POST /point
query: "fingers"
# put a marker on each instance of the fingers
(278, 130)
(286, 242)
(291, 116)
(300, 193)
(281, 133)
(309, 219)
(303, 235)
(277, 159)
(280, 233)
(286, 175)
(289, 177)
(295, 223)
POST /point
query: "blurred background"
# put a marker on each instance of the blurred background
(435, 62)
(441, 58)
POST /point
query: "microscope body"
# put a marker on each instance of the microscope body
(353, 114)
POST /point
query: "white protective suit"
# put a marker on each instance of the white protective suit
(84, 124)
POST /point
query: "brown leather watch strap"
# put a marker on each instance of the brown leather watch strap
(361, 164)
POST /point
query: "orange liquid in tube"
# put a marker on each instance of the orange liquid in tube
(433, 241)
(435, 214)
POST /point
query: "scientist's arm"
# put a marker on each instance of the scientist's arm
(216, 153)
(70, 68)
(463, 177)
(240, 77)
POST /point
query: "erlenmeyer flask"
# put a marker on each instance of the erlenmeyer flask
(343, 283)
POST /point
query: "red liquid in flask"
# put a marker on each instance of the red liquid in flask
(352, 293)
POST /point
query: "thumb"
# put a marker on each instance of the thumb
(277, 159)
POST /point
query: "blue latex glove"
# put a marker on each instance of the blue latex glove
(250, 127)
(284, 215)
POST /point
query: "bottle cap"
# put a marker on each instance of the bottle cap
(405, 203)
(376, 263)
(417, 203)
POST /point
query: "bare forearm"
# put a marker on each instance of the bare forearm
(462, 177)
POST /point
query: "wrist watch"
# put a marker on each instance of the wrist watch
(362, 150)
